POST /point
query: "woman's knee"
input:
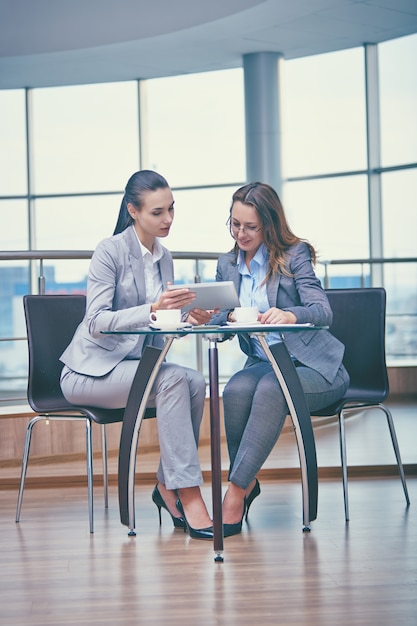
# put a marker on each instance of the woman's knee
(196, 380)
(171, 375)
(234, 393)
(241, 384)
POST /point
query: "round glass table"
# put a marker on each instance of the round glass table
(284, 369)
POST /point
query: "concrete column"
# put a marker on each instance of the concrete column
(262, 117)
(376, 248)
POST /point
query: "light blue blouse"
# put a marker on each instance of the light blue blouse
(253, 292)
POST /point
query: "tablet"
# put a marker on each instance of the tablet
(215, 295)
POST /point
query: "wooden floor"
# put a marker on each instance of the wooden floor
(361, 573)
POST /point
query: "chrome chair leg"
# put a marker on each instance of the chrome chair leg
(396, 450)
(89, 452)
(105, 465)
(25, 460)
(343, 458)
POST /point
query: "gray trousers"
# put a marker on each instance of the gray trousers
(178, 394)
(255, 410)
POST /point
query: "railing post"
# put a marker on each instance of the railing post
(326, 275)
(198, 338)
(41, 279)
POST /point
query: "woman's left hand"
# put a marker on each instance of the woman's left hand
(277, 316)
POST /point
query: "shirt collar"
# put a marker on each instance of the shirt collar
(261, 258)
(157, 249)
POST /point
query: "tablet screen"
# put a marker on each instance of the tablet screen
(215, 295)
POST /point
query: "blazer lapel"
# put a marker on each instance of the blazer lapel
(235, 277)
(165, 268)
(272, 290)
(136, 262)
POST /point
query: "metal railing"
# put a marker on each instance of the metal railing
(64, 255)
(371, 274)
(67, 255)
(37, 283)
(363, 264)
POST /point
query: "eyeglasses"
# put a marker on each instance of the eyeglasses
(249, 230)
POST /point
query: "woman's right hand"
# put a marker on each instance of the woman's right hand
(174, 299)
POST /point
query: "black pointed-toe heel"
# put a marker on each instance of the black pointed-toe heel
(160, 503)
(195, 533)
(234, 529)
(251, 497)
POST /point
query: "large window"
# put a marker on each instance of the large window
(332, 214)
(200, 220)
(195, 137)
(398, 88)
(14, 225)
(398, 104)
(75, 222)
(327, 189)
(86, 140)
(324, 139)
(195, 128)
(85, 143)
(399, 195)
(324, 114)
(13, 173)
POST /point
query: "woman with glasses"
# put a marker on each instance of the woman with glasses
(272, 269)
(127, 281)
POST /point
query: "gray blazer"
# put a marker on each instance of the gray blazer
(303, 295)
(116, 298)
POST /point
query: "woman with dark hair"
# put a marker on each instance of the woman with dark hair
(272, 270)
(127, 281)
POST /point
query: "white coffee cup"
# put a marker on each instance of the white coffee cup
(166, 318)
(246, 314)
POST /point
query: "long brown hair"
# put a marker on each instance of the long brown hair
(277, 235)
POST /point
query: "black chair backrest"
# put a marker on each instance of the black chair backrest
(359, 323)
(51, 321)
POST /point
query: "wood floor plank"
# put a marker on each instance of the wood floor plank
(53, 572)
(364, 573)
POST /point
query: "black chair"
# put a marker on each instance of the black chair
(359, 323)
(51, 321)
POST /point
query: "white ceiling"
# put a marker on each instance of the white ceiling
(61, 42)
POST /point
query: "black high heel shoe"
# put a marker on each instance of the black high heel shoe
(251, 497)
(195, 533)
(160, 503)
(234, 529)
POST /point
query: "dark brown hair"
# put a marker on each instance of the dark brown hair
(138, 183)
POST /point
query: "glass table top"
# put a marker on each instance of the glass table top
(229, 329)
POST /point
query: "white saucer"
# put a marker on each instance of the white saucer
(280, 327)
(179, 326)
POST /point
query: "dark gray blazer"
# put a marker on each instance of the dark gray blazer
(116, 298)
(303, 295)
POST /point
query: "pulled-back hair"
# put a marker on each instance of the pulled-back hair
(139, 183)
(277, 235)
